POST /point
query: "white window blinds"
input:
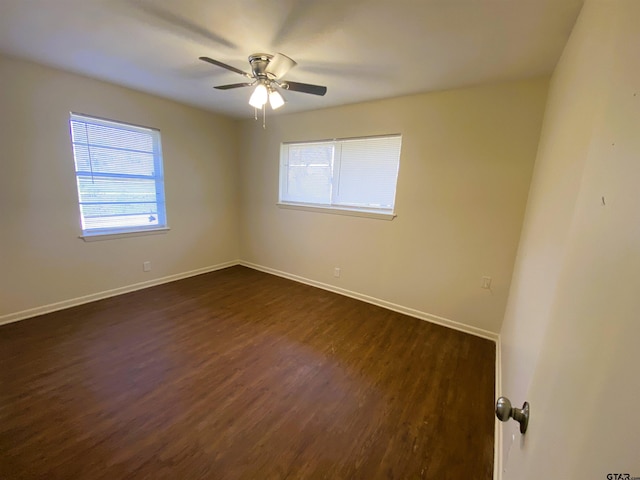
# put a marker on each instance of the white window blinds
(356, 173)
(119, 176)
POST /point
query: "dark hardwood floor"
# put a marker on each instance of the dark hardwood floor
(238, 374)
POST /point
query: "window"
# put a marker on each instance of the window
(119, 176)
(357, 174)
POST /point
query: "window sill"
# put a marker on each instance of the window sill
(112, 236)
(353, 212)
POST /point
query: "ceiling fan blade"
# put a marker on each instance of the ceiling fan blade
(232, 85)
(224, 65)
(304, 88)
(279, 65)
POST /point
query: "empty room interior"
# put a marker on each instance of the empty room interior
(319, 239)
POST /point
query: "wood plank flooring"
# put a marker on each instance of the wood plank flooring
(238, 374)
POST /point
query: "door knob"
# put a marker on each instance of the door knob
(504, 411)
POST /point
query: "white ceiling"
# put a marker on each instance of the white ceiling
(360, 49)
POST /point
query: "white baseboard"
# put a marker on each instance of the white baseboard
(33, 312)
(497, 475)
(445, 322)
(53, 307)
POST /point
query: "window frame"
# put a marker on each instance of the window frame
(333, 207)
(95, 234)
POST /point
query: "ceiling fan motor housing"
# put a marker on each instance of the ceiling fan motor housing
(259, 62)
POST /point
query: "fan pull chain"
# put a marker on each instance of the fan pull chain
(264, 117)
(255, 113)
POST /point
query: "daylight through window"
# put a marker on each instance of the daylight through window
(119, 176)
(348, 174)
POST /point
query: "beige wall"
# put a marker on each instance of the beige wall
(466, 163)
(570, 337)
(42, 260)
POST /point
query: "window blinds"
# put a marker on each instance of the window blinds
(356, 173)
(119, 176)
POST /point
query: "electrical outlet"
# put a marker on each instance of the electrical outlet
(486, 283)
(336, 272)
(146, 266)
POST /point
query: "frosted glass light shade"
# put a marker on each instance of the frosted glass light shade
(275, 99)
(259, 96)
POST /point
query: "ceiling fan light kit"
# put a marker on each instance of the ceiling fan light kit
(259, 96)
(266, 75)
(275, 99)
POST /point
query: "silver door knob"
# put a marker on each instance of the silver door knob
(504, 411)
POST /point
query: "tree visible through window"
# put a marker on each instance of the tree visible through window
(119, 176)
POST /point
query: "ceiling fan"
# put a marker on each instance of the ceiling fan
(266, 75)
